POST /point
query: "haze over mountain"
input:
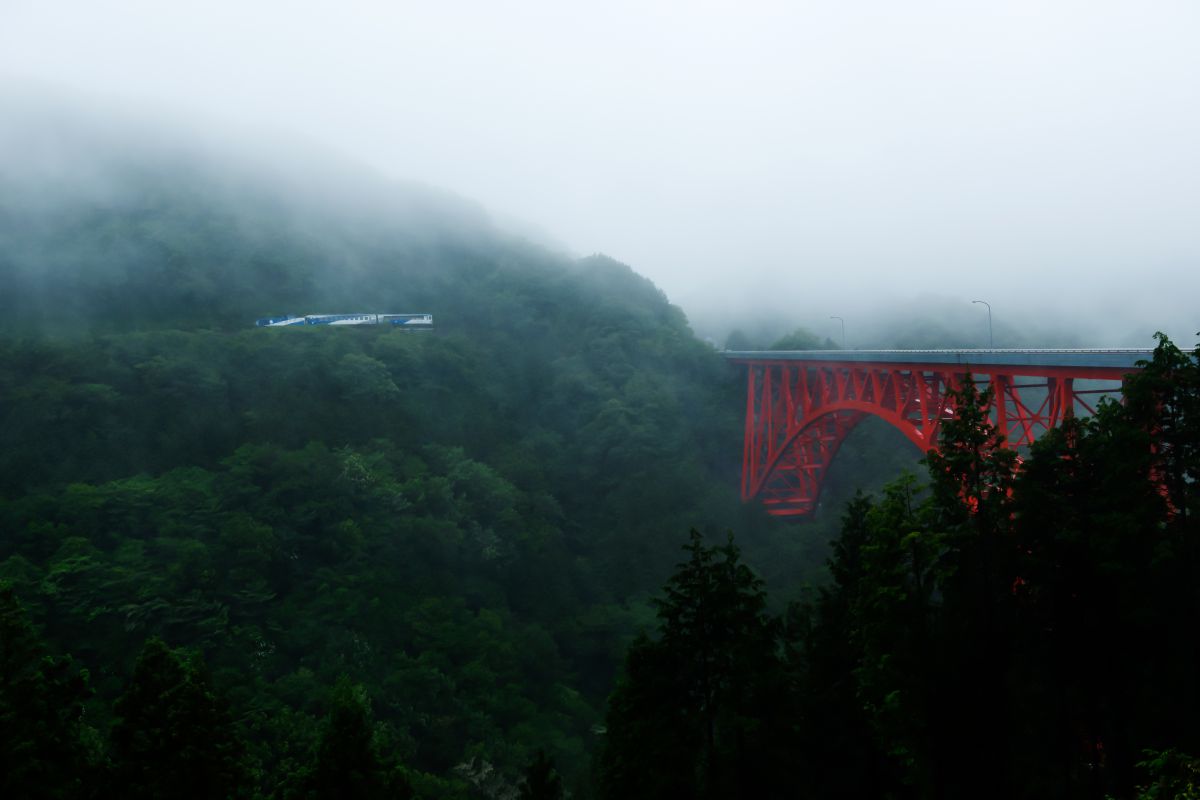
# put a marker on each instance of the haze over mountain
(794, 160)
(328, 562)
(483, 507)
(413, 511)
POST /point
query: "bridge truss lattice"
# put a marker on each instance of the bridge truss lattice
(800, 407)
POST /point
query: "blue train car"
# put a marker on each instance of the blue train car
(408, 321)
(342, 319)
(414, 321)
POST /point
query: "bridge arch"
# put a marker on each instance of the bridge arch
(791, 483)
(801, 406)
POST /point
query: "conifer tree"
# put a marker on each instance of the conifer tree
(348, 764)
(542, 781)
(702, 711)
(42, 751)
(174, 735)
(839, 751)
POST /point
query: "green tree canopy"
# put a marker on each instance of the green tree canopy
(43, 746)
(348, 764)
(174, 736)
(701, 711)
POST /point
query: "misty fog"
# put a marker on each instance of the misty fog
(767, 165)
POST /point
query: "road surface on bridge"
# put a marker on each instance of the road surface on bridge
(1115, 358)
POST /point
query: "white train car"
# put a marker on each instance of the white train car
(413, 321)
(408, 321)
(277, 322)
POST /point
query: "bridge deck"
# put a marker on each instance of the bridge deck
(978, 360)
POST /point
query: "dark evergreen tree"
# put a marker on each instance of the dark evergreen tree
(650, 743)
(702, 711)
(839, 754)
(1018, 631)
(1164, 399)
(348, 765)
(1106, 582)
(174, 735)
(42, 747)
(971, 478)
(930, 614)
(541, 781)
(894, 628)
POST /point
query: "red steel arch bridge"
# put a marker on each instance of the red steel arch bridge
(801, 405)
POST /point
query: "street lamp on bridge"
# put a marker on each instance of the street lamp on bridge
(989, 307)
(839, 319)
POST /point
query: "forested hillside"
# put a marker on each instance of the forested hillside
(993, 629)
(317, 562)
(463, 527)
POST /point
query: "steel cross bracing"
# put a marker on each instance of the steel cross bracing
(801, 405)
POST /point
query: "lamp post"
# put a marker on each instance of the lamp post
(989, 308)
(839, 319)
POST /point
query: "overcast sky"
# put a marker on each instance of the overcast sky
(821, 156)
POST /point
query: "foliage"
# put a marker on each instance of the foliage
(348, 763)
(542, 781)
(44, 743)
(1020, 632)
(411, 565)
(698, 713)
(170, 724)
(1174, 775)
(466, 524)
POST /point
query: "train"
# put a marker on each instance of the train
(407, 321)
